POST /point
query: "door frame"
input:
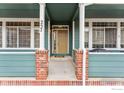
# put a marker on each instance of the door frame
(67, 41)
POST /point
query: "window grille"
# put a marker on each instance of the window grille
(104, 24)
(18, 23)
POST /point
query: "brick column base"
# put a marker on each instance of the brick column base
(78, 61)
(41, 64)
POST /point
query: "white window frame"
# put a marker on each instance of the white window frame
(4, 20)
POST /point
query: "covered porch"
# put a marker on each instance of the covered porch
(35, 38)
(104, 38)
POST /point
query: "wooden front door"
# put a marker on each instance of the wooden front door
(60, 40)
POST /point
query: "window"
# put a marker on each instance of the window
(11, 37)
(104, 34)
(86, 43)
(18, 34)
(86, 39)
(36, 38)
(110, 37)
(36, 35)
(122, 34)
(122, 37)
(24, 37)
(98, 37)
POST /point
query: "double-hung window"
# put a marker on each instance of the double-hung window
(18, 34)
(104, 34)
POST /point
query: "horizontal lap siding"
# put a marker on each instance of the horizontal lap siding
(106, 65)
(21, 65)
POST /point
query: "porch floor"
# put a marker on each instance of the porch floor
(61, 69)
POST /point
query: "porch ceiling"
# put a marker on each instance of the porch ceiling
(61, 12)
(105, 11)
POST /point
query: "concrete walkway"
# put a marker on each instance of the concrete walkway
(61, 69)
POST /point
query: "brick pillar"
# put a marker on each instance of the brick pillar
(86, 65)
(41, 64)
(79, 61)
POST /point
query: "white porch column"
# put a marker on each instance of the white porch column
(118, 35)
(81, 25)
(4, 34)
(42, 26)
(73, 25)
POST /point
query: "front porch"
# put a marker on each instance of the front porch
(37, 47)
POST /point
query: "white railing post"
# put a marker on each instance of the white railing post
(42, 26)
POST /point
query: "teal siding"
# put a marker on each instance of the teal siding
(76, 34)
(106, 65)
(19, 65)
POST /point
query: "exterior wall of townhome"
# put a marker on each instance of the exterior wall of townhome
(106, 68)
(17, 63)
